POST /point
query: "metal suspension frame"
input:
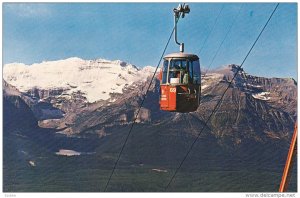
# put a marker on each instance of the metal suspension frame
(181, 10)
(286, 175)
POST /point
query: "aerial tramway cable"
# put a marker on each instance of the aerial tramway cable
(219, 102)
(141, 104)
(227, 33)
(211, 30)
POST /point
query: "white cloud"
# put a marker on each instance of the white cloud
(28, 9)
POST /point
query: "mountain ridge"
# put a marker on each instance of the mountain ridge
(270, 98)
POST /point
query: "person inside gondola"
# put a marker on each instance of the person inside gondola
(185, 78)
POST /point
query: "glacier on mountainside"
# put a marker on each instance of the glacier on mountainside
(96, 79)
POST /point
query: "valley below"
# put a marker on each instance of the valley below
(142, 168)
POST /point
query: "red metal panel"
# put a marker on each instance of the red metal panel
(164, 96)
(172, 98)
(168, 98)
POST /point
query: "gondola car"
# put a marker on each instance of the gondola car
(180, 83)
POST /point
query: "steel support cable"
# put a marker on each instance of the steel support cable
(136, 116)
(213, 27)
(227, 33)
(219, 102)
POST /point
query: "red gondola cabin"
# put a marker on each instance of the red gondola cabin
(180, 83)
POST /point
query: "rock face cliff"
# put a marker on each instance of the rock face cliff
(17, 114)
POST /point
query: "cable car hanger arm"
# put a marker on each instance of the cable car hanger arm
(181, 9)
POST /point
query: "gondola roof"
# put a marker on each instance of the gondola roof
(192, 57)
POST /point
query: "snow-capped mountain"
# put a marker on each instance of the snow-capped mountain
(95, 79)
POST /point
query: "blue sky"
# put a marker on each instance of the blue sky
(137, 33)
